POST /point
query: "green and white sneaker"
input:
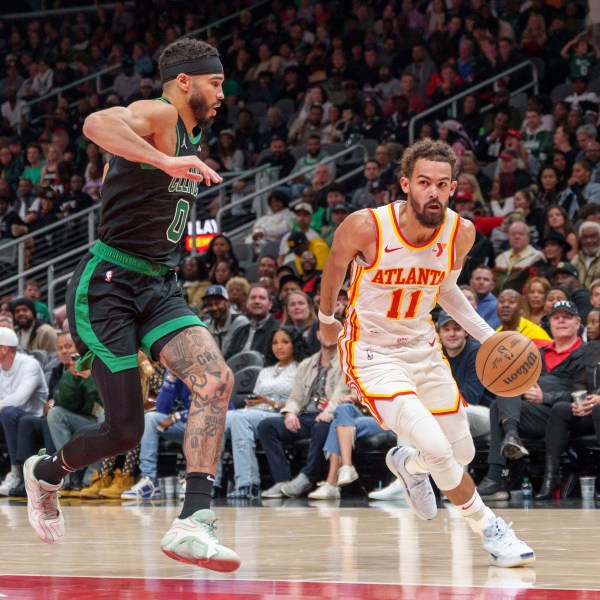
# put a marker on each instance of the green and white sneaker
(193, 541)
(43, 508)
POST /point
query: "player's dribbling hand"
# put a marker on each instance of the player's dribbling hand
(330, 333)
(181, 167)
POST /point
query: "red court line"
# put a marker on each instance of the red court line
(99, 588)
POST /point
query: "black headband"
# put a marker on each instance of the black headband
(209, 65)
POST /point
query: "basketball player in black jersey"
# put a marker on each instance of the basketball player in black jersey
(124, 296)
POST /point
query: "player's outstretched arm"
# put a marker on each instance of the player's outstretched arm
(451, 298)
(144, 132)
(356, 235)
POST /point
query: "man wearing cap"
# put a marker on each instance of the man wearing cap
(303, 213)
(124, 296)
(460, 351)
(554, 247)
(337, 215)
(32, 334)
(528, 414)
(566, 275)
(23, 391)
(587, 260)
(221, 322)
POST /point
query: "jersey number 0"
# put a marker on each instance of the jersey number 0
(177, 225)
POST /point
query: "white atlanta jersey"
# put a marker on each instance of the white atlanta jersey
(390, 300)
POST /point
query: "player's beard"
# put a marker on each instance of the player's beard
(430, 222)
(200, 109)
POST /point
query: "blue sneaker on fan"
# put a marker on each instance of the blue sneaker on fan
(145, 489)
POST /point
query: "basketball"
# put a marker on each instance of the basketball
(508, 363)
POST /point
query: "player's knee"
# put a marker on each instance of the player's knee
(127, 437)
(437, 454)
(464, 451)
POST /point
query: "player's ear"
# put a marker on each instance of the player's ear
(453, 187)
(404, 184)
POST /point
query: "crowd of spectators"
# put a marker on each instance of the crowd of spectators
(303, 80)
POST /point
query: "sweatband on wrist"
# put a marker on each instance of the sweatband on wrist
(327, 319)
(209, 65)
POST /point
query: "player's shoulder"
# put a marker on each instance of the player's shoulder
(157, 110)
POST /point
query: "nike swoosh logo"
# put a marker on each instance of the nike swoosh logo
(387, 249)
(432, 342)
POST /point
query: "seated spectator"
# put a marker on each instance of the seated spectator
(23, 392)
(489, 145)
(311, 276)
(568, 417)
(26, 204)
(363, 196)
(454, 134)
(270, 228)
(238, 288)
(32, 291)
(303, 213)
(534, 294)
(219, 247)
(510, 304)
(278, 157)
(460, 351)
(32, 334)
(337, 214)
(483, 281)
(299, 313)
(349, 424)
(299, 243)
(559, 223)
(275, 128)
(222, 272)
(524, 202)
(512, 176)
(552, 191)
(75, 405)
(11, 227)
(555, 294)
(46, 245)
(536, 138)
(314, 155)
(304, 127)
(168, 421)
(582, 53)
(221, 322)
(528, 415)
(193, 280)
(318, 384)
(581, 184)
(257, 333)
(567, 276)
(516, 265)
(587, 261)
(227, 155)
(270, 394)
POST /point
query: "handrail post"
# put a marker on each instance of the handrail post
(50, 288)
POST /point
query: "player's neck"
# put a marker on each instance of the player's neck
(183, 109)
(410, 227)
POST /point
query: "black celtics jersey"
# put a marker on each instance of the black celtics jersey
(145, 210)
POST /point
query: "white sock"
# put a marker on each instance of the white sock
(477, 514)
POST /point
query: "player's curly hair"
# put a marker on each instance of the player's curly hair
(184, 50)
(435, 150)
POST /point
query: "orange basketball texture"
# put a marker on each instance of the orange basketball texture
(508, 363)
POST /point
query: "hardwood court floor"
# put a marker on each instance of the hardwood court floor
(296, 550)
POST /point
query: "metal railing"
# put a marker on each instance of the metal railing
(236, 232)
(51, 12)
(453, 102)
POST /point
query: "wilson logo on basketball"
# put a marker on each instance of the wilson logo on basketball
(530, 362)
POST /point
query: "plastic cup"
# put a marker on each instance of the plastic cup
(588, 487)
(579, 398)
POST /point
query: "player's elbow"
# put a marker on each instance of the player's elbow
(92, 125)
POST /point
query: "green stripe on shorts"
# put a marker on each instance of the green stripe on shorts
(168, 327)
(86, 333)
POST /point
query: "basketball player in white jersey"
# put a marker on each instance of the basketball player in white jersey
(405, 257)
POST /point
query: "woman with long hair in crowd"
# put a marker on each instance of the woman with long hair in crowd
(534, 299)
(271, 391)
(299, 312)
(551, 188)
(219, 247)
(558, 222)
